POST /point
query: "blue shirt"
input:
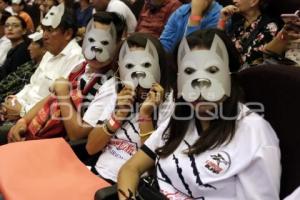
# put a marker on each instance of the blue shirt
(177, 25)
(83, 17)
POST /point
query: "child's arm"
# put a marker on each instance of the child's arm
(153, 100)
(101, 135)
(74, 125)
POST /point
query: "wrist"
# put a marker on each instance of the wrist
(282, 36)
(113, 124)
(108, 130)
(222, 23)
(197, 11)
(60, 92)
(120, 115)
(195, 18)
(22, 121)
(145, 118)
(143, 135)
(22, 112)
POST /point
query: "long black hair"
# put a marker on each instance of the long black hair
(220, 130)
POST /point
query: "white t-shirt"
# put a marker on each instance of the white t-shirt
(103, 104)
(122, 9)
(295, 195)
(126, 142)
(50, 68)
(246, 168)
(5, 46)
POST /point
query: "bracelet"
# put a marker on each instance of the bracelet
(146, 134)
(144, 119)
(195, 18)
(222, 23)
(282, 36)
(113, 123)
(106, 130)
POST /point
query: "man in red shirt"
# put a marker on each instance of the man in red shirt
(154, 16)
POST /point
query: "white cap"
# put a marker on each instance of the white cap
(36, 36)
(16, 1)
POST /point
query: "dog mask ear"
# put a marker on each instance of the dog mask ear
(183, 50)
(219, 48)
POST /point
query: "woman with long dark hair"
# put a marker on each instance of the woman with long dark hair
(213, 147)
(143, 103)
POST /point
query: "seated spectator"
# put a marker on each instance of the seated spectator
(250, 28)
(139, 109)
(188, 18)
(5, 6)
(62, 112)
(18, 7)
(46, 5)
(15, 31)
(34, 12)
(5, 43)
(44, 8)
(119, 7)
(63, 55)
(154, 16)
(213, 147)
(136, 6)
(15, 81)
(84, 13)
(286, 43)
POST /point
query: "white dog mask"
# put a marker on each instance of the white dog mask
(139, 67)
(99, 44)
(53, 16)
(203, 73)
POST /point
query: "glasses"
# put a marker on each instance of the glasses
(12, 25)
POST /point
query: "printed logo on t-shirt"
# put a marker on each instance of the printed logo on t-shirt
(218, 163)
(175, 195)
(122, 148)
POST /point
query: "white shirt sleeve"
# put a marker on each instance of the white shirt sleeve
(5, 47)
(258, 177)
(103, 104)
(49, 69)
(294, 196)
(261, 179)
(156, 139)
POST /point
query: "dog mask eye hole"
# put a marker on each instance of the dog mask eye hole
(105, 43)
(129, 66)
(213, 69)
(189, 70)
(147, 65)
(91, 40)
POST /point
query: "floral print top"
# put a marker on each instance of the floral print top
(253, 53)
